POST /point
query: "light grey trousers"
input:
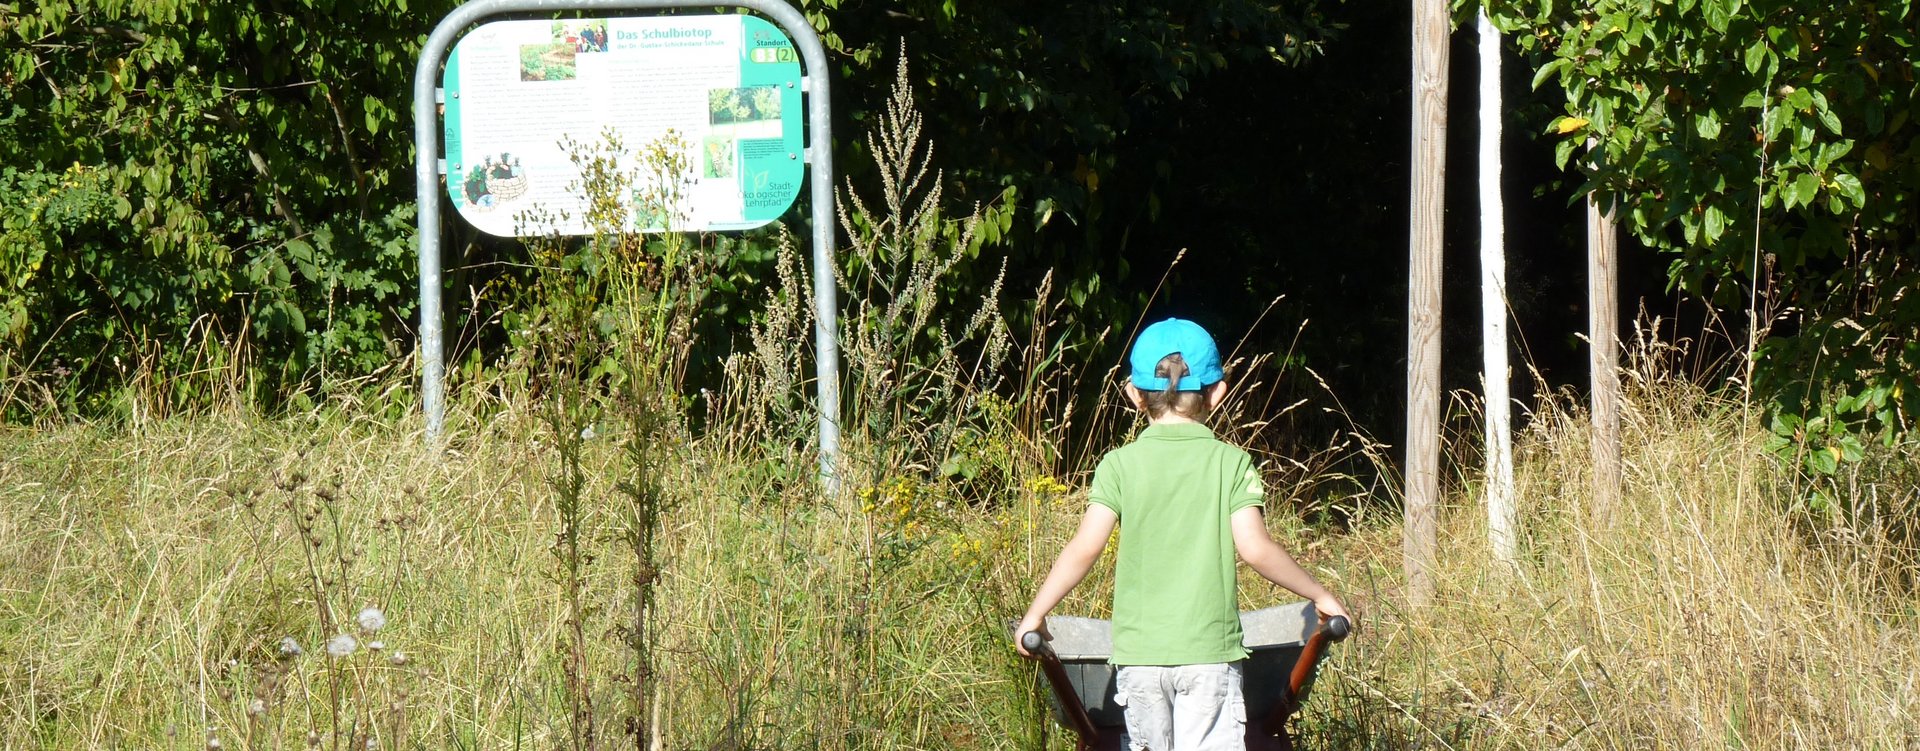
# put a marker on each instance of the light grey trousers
(1182, 707)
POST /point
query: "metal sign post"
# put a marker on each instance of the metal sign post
(756, 103)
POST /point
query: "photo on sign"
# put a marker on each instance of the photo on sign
(555, 60)
(749, 104)
(547, 62)
(495, 180)
(651, 218)
(718, 156)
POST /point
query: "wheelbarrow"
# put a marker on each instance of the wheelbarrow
(1287, 643)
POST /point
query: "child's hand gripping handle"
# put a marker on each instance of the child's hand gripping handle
(1076, 712)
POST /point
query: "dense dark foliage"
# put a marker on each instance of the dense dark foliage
(180, 177)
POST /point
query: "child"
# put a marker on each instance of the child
(1185, 503)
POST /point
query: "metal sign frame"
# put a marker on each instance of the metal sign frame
(819, 157)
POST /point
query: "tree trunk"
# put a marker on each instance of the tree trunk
(1493, 304)
(1423, 295)
(1603, 323)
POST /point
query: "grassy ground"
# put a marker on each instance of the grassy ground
(149, 575)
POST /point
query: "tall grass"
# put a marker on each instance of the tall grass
(148, 577)
(1708, 612)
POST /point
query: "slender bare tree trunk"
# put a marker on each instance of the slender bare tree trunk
(1423, 295)
(1493, 304)
(1603, 323)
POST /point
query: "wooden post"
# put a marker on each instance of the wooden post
(1603, 325)
(1423, 295)
(1493, 304)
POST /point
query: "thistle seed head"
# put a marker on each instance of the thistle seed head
(342, 645)
(371, 619)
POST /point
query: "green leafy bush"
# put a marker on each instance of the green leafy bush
(1768, 149)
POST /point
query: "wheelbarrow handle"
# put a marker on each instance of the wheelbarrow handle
(1335, 629)
(1332, 630)
(1062, 688)
(1036, 644)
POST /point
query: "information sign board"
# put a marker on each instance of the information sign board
(727, 86)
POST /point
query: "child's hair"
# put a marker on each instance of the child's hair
(1189, 404)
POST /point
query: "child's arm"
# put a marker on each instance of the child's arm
(1075, 560)
(1251, 541)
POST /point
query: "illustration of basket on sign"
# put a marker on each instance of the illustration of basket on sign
(507, 188)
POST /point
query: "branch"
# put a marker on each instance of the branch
(279, 198)
(353, 155)
(226, 117)
(116, 32)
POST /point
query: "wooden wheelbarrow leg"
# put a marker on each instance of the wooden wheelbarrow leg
(1063, 689)
(1275, 737)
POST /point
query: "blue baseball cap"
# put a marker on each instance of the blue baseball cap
(1193, 343)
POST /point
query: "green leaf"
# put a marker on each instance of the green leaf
(1042, 212)
(1850, 187)
(1827, 118)
(1785, 424)
(1831, 152)
(1807, 187)
(295, 319)
(1557, 67)
(1823, 461)
(1756, 56)
(1718, 12)
(1851, 450)
(1716, 224)
(302, 255)
(1773, 122)
(1707, 124)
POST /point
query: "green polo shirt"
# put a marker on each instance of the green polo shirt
(1174, 598)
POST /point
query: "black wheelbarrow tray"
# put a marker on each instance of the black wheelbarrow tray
(1287, 643)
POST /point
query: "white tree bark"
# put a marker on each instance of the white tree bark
(1493, 305)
